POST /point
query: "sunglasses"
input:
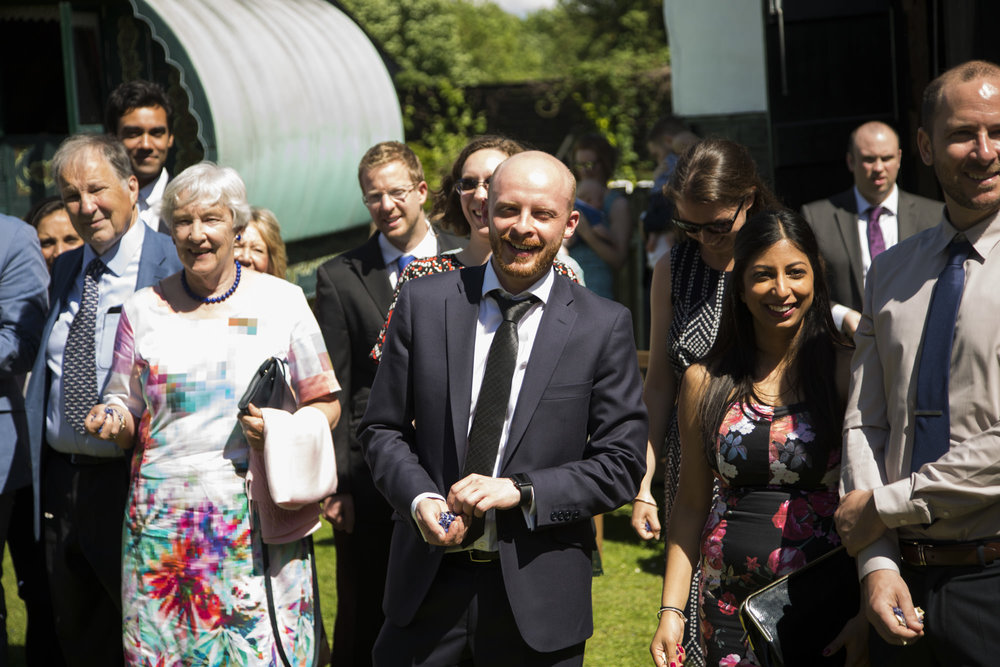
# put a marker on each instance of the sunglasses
(717, 227)
(464, 186)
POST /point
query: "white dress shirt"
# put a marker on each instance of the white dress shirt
(114, 287)
(890, 234)
(486, 326)
(150, 200)
(428, 247)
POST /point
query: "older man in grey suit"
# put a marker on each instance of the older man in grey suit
(81, 483)
(854, 226)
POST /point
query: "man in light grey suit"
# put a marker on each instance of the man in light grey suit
(80, 482)
(847, 235)
(23, 302)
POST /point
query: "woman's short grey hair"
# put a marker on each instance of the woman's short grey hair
(207, 184)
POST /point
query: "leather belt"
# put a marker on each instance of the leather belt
(86, 459)
(472, 557)
(960, 554)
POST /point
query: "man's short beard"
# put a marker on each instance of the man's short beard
(535, 267)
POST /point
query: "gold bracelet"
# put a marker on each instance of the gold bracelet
(648, 502)
(676, 610)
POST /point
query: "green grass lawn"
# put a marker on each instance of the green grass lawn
(625, 598)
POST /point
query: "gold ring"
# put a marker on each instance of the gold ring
(904, 642)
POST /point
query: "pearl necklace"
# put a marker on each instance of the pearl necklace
(214, 299)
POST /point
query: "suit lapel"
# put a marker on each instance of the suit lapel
(461, 313)
(553, 332)
(845, 211)
(907, 217)
(369, 266)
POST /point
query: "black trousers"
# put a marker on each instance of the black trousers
(362, 560)
(465, 620)
(961, 622)
(83, 509)
(28, 556)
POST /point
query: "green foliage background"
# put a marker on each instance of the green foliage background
(607, 57)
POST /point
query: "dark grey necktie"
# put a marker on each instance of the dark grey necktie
(494, 394)
(79, 371)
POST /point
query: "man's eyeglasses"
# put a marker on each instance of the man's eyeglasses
(397, 195)
(467, 185)
(717, 227)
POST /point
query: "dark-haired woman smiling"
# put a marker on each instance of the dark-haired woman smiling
(762, 415)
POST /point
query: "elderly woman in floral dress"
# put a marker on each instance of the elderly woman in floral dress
(193, 582)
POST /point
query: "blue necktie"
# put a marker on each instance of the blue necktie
(402, 262)
(79, 371)
(932, 429)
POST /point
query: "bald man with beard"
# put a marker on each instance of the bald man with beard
(566, 441)
(848, 238)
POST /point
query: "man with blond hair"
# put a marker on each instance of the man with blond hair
(353, 293)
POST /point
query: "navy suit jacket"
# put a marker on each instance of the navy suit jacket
(834, 221)
(24, 281)
(353, 294)
(158, 259)
(578, 431)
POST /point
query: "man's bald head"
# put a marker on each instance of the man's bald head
(529, 212)
(542, 165)
(873, 158)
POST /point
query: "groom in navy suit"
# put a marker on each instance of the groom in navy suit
(81, 483)
(509, 580)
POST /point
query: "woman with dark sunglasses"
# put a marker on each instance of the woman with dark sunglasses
(715, 187)
(459, 207)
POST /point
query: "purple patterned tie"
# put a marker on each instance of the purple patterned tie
(876, 243)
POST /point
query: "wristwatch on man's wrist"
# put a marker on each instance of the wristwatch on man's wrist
(523, 485)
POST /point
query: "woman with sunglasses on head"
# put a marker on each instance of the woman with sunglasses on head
(760, 417)
(459, 205)
(714, 188)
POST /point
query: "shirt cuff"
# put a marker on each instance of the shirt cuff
(882, 554)
(839, 311)
(896, 507)
(416, 501)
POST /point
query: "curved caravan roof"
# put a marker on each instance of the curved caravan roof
(290, 93)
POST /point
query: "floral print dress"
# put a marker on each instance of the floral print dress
(192, 575)
(773, 514)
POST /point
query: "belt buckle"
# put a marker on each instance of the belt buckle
(472, 557)
(921, 554)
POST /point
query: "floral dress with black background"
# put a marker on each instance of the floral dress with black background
(778, 489)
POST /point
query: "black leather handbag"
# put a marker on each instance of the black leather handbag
(268, 388)
(790, 621)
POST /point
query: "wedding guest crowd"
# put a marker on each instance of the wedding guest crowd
(819, 386)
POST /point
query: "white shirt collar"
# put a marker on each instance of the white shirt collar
(890, 203)
(426, 248)
(542, 288)
(151, 193)
(118, 256)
